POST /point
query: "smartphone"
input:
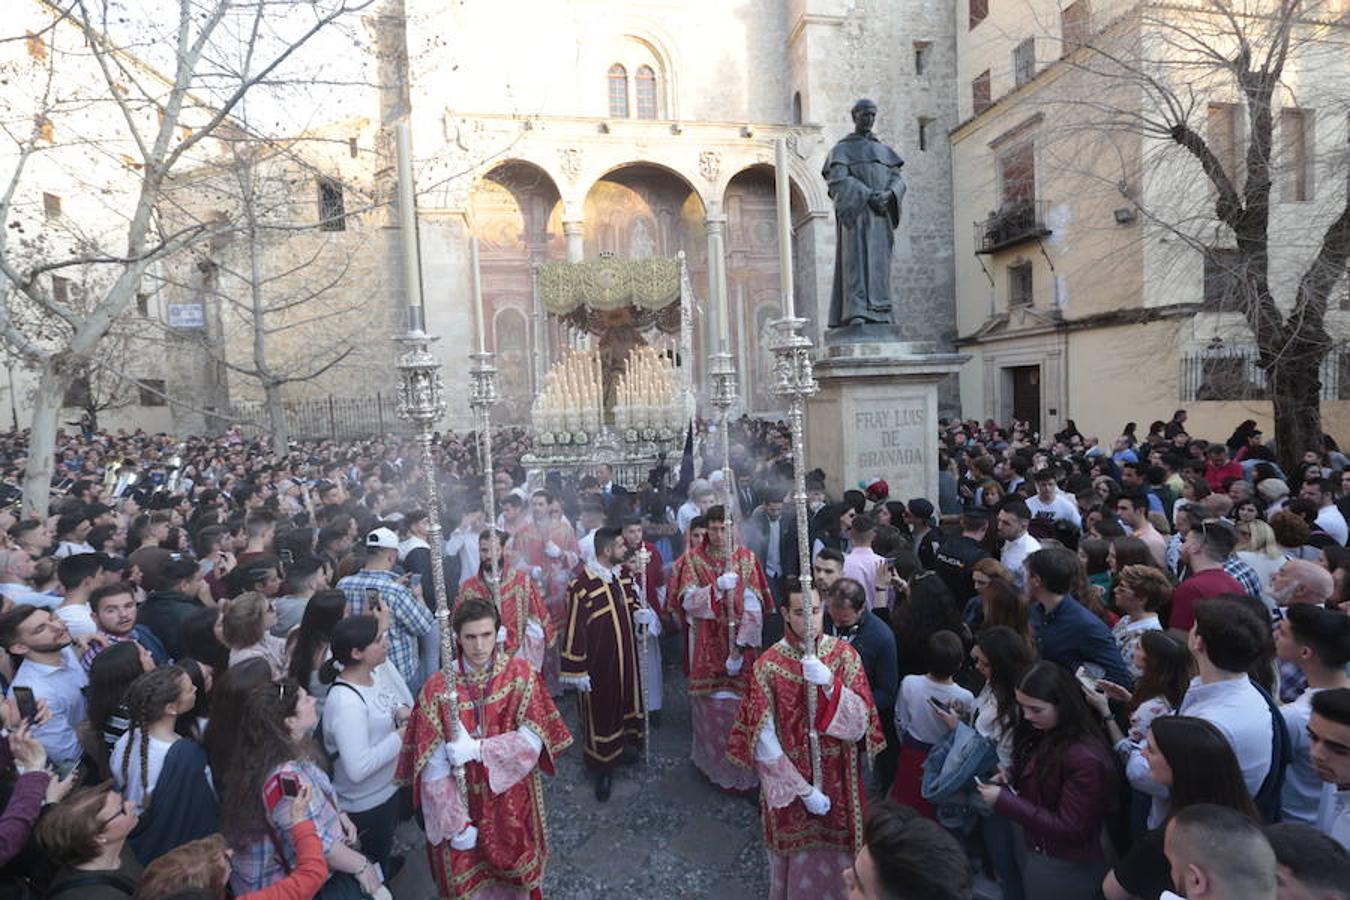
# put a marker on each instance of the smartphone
(290, 785)
(272, 792)
(27, 703)
(372, 599)
(66, 768)
(939, 704)
(1087, 679)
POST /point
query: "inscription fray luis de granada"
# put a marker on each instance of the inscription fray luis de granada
(889, 434)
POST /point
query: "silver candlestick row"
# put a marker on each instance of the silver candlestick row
(794, 379)
(421, 401)
(722, 372)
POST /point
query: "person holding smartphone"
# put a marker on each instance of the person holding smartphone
(1061, 787)
(364, 717)
(274, 748)
(917, 720)
(51, 670)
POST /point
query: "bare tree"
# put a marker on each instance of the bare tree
(216, 53)
(293, 283)
(1201, 86)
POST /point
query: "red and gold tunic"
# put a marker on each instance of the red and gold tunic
(529, 548)
(778, 690)
(709, 646)
(655, 577)
(679, 574)
(512, 845)
(520, 602)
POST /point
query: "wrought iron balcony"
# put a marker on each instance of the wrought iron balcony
(1015, 223)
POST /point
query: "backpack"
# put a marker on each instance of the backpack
(332, 756)
(1267, 798)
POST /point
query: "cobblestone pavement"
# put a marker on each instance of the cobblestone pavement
(665, 832)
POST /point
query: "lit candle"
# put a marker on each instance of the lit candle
(477, 295)
(782, 188)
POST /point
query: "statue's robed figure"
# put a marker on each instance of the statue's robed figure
(865, 183)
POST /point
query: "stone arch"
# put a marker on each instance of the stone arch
(515, 211)
(750, 203)
(644, 209)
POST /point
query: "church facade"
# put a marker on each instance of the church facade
(572, 130)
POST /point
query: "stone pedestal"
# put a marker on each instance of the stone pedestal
(875, 415)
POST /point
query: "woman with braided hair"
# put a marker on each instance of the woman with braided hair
(163, 774)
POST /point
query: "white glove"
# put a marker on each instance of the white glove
(534, 629)
(734, 664)
(501, 634)
(816, 803)
(464, 749)
(537, 573)
(816, 672)
(466, 839)
(644, 615)
(751, 601)
(553, 550)
(581, 682)
(726, 581)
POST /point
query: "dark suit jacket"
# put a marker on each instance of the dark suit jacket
(875, 643)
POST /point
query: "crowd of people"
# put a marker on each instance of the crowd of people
(1081, 670)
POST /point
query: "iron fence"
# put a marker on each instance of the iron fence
(317, 418)
(1232, 373)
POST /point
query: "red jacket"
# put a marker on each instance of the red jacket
(309, 874)
(1064, 818)
(1218, 477)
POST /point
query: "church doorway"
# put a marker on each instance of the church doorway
(1026, 394)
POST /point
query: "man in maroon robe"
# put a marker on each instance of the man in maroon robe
(599, 658)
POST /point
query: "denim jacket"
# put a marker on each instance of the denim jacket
(949, 776)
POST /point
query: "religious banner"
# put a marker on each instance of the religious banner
(609, 283)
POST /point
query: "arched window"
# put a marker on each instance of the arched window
(618, 92)
(797, 108)
(646, 93)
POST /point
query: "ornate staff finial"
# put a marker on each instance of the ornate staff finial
(794, 379)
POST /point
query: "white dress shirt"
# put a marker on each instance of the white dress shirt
(1240, 712)
(1302, 788)
(1330, 520)
(1015, 553)
(1333, 816)
(63, 688)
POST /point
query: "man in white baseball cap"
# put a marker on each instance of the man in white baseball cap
(382, 539)
(412, 628)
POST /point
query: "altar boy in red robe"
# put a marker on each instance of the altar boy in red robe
(527, 628)
(546, 550)
(811, 835)
(715, 595)
(495, 846)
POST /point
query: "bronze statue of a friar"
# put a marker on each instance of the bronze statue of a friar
(865, 184)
